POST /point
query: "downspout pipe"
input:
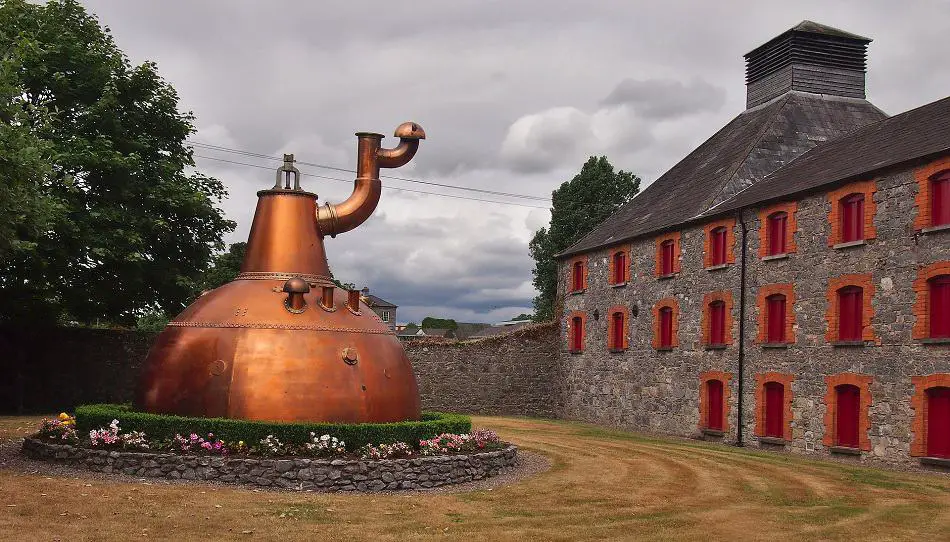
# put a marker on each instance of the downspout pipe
(742, 291)
(333, 219)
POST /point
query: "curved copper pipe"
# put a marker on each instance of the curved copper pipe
(342, 217)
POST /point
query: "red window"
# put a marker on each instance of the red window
(774, 410)
(666, 253)
(577, 334)
(577, 277)
(940, 199)
(850, 309)
(666, 327)
(620, 268)
(848, 400)
(714, 404)
(852, 218)
(616, 330)
(776, 232)
(938, 422)
(717, 322)
(718, 246)
(775, 318)
(940, 306)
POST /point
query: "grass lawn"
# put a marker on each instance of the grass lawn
(603, 484)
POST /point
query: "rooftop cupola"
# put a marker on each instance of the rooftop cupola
(808, 57)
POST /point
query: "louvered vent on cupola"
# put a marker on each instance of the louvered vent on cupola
(809, 57)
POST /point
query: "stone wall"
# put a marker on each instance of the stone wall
(646, 389)
(513, 374)
(288, 473)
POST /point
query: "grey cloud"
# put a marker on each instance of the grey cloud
(663, 99)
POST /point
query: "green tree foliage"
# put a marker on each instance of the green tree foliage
(224, 268)
(124, 224)
(578, 206)
(412, 326)
(438, 323)
(522, 317)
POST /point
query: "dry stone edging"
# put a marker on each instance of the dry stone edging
(287, 473)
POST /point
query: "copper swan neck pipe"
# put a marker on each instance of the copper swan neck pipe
(333, 219)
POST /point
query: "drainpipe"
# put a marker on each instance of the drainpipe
(742, 288)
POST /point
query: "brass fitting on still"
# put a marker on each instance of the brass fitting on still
(342, 217)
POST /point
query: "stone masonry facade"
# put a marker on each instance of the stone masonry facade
(647, 388)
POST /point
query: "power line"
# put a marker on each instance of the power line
(219, 148)
(386, 187)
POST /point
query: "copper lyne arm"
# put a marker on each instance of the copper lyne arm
(342, 217)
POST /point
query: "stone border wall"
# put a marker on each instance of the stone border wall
(297, 473)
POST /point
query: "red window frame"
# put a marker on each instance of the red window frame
(717, 246)
(616, 330)
(847, 415)
(666, 327)
(577, 334)
(717, 323)
(939, 292)
(852, 218)
(667, 248)
(714, 400)
(620, 267)
(777, 232)
(938, 422)
(577, 277)
(774, 410)
(850, 313)
(776, 313)
(940, 199)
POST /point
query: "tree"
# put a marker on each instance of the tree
(127, 224)
(224, 268)
(430, 322)
(578, 206)
(522, 317)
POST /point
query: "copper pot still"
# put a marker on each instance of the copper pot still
(280, 342)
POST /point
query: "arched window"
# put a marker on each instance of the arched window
(850, 311)
(774, 410)
(777, 228)
(717, 323)
(939, 291)
(852, 218)
(666, 255)
(714, 398)
(940, 199)
(847, 414)
(938, 422)
(666, 327)
(775, 318)
(620, 267)
(617, 331)
(577, 334)
(717, 246)
(577, 277)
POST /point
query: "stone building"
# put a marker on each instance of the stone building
(384, 309)
(786, 284)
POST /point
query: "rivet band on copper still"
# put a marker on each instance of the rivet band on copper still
(282, 276)
(266, 325)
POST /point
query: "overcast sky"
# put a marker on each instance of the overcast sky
(513, 97)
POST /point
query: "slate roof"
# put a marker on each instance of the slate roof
(374, 301)
(918, 133)
(755, 143)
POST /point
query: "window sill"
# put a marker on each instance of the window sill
(935, 461)
(845, 450)
(936, 229)
(616, 350)
(618, 285)
(847, 344)
(717, 267)
(664, 348)
(576, 352)
(936, 340)
(773, 441)
(773, 257)
(665, 277)
(850, 244)
(713, 432)
(715, 346)
(577, 292)
(775, 345)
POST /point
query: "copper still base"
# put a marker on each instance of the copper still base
(280, 342)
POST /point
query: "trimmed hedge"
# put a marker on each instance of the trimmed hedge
(164, 427)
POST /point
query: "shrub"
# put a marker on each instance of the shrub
(386, 451)
(165, 427)
(62, 428)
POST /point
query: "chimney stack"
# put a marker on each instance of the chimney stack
(809, 57)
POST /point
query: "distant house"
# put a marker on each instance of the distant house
(384, 309)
